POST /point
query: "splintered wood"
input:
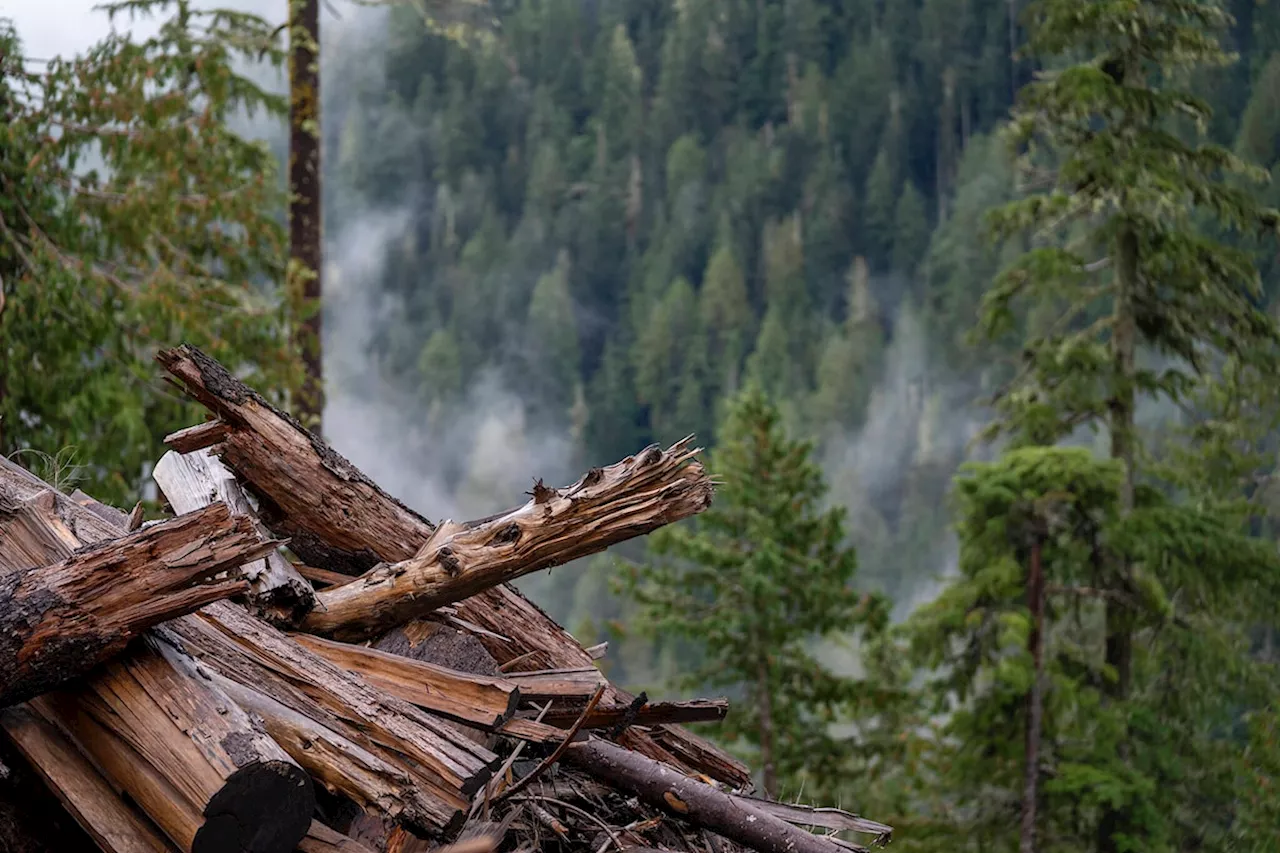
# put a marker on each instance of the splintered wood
(60, 619)
(185, 685)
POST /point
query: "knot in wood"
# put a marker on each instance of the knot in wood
(508, 534)
(449, 561)
(651, 455)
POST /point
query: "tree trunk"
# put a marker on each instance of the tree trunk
(57, 621)
(1118, 618)
(1035, 701)
(190, 482)
(306, 235)
(764, 707)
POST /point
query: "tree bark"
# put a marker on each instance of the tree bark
(557, 526)
(306, 235)
(690, 800)
(764, 708)
(1119, 617)
(189, 482)
(1035, 700)
(57, 621)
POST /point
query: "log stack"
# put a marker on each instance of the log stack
(297, 661)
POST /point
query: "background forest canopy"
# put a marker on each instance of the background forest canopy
(589, 230)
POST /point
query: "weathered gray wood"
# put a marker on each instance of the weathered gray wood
(193, 480)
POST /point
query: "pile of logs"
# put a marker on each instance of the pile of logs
(297, 661)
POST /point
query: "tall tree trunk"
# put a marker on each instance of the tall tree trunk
(1119, 627)
(305, 231)
(765, 709)
(1035, 699)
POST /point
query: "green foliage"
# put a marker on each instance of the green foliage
(751, 583)
(132, 217)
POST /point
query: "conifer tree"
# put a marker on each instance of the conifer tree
(1147, 301)
(752, 583)
(174, 236)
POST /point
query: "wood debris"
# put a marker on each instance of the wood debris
(187, 685)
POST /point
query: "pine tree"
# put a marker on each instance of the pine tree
(1147, 304)
(911, 230)
(552, 341)
(752, 584)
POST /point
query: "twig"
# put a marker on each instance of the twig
(576, 810)
(497, 778)
(559, 750)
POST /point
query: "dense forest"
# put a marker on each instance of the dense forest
(958, 294)
(619, 212)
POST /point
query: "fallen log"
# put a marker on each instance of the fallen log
(339, 520)
(480, 700)
(59, 620)
(17, 484)
(607, 506)
(194, 480)
(204, 773)
(89, 798)
(371, 775)
(342, 766)
(333, 515)
(460, 763)
(202, 770)
(691, 800)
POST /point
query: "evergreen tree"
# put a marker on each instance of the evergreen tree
(880, 210)
(1145, 304)
(552, 335)
(911, 230)
(752, 583)
(175, 236)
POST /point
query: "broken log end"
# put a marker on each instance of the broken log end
(263, 807)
